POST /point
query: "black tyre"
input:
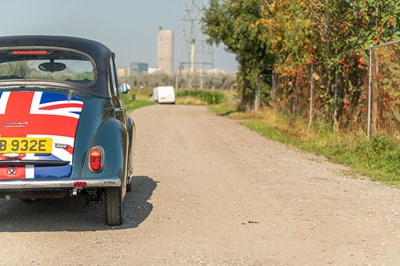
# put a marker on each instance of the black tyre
(113, 206)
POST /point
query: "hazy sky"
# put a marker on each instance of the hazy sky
(128, 27)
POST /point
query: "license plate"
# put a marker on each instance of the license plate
(26, 145)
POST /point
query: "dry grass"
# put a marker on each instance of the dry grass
(190, 101)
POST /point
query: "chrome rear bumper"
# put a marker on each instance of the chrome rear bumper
(38, 184)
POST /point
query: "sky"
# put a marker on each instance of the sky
(128, 27)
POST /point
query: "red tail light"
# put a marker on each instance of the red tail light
(96, 159)
(29, 52)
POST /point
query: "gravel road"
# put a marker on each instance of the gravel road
(208, 191)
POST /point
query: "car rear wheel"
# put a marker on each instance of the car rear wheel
(113, 206)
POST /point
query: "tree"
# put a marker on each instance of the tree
(237, 25)
(289, 34)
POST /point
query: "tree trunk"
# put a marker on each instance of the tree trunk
(246, 98)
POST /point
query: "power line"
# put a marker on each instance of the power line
(196, 56)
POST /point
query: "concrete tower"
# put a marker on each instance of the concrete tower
(165, 50)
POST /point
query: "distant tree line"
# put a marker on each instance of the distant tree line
(218, 80)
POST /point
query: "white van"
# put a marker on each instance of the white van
(164, 94)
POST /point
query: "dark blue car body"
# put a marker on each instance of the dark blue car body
(64, 130)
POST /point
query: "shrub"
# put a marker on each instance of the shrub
(210, 97)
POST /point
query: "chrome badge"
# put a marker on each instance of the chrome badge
(11, 170)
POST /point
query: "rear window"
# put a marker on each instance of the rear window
(46, 65)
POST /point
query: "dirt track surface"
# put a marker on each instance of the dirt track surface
(208, 191)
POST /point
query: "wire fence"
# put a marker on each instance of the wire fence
(355, 96)
(312, 92)
(385, 89)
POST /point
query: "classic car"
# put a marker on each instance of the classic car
(64, 130)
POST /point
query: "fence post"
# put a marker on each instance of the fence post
(374, 96)
(274, 84)
(311, 96)
(335, 123)
(257, 95)
(369, 93)
(294, 106)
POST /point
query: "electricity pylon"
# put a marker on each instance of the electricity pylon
(195, 58)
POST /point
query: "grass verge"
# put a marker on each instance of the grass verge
(378, 159)
(139, 101)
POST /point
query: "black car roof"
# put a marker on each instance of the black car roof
(96, 50)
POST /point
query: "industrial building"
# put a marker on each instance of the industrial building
(134, 69)
(165, 57)
(123, 72)
(165, 50)
(137, 68)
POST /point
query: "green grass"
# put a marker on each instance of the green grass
(206, 96)
(223, 109)
(378, 159)
(133, 105)
(141, 100)
(268, 130)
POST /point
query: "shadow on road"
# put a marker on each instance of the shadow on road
(73, 214)
(137, 205)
